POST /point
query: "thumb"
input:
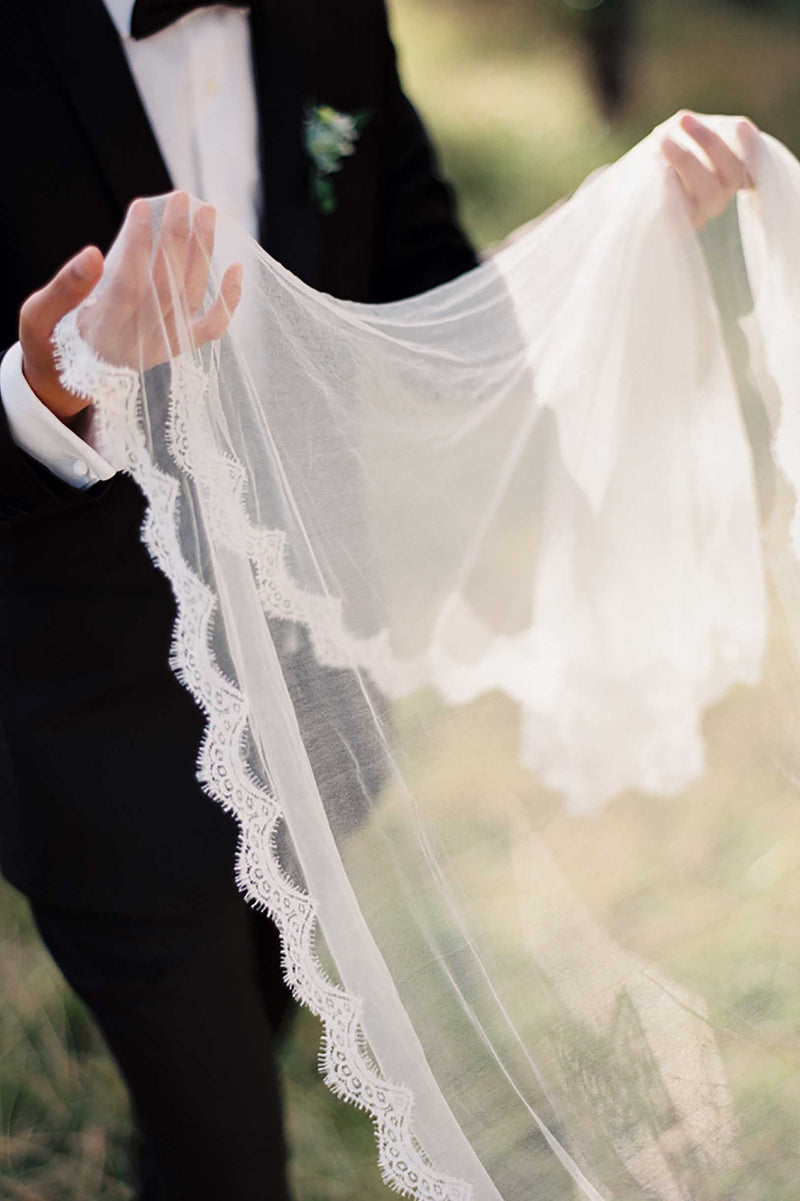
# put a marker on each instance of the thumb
(65, 291)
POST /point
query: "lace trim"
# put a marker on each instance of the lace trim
(222, 480)
(665, 745)
(346, 1062)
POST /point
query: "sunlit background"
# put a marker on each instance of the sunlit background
(524, 98)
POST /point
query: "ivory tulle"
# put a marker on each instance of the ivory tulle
(491, 598)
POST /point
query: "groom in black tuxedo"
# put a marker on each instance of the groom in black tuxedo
(127, 864)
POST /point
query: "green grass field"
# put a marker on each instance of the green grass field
(504, 88)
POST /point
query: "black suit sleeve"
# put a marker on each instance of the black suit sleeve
(29, 489)
(419, 241)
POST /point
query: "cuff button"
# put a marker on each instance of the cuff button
(80, 468)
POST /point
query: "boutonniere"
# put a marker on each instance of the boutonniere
(330, 137)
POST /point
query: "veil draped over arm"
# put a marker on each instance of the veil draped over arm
(491, 599)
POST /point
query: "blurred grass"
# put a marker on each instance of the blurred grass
(503, 86)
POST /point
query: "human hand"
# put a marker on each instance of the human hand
(709, 186)
(136, 318)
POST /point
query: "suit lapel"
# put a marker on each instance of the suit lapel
(298, 52)
(87, 54)
(306, 52)
(290, 222)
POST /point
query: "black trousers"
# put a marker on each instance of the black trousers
(190, 1007)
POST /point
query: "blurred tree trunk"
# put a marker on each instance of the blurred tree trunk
(607, 28)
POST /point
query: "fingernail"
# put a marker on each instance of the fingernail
(82, 264)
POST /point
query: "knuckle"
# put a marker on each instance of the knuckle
(708, 195)
(29, 315)
(707, 180)
(179, 229)
(177, 211)
(61, 285)
(67, 276)
(675, 156)
(138, 211)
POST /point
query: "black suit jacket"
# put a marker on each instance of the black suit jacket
(100, 808)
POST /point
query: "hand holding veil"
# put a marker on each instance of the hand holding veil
(498, 657)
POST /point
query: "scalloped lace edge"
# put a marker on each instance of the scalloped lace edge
(345, 1061)
(674, 737)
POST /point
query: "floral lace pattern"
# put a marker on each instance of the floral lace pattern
(348, 1067)
(562, 734)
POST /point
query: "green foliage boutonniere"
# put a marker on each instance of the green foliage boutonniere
(330, 136)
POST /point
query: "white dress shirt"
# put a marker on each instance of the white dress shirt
(195, 79)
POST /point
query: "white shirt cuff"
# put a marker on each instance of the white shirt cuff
(40, 433)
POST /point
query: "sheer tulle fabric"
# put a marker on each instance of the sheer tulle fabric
(490, 597)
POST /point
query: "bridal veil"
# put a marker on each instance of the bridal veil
(491, 598)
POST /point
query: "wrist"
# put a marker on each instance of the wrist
(61, 403)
